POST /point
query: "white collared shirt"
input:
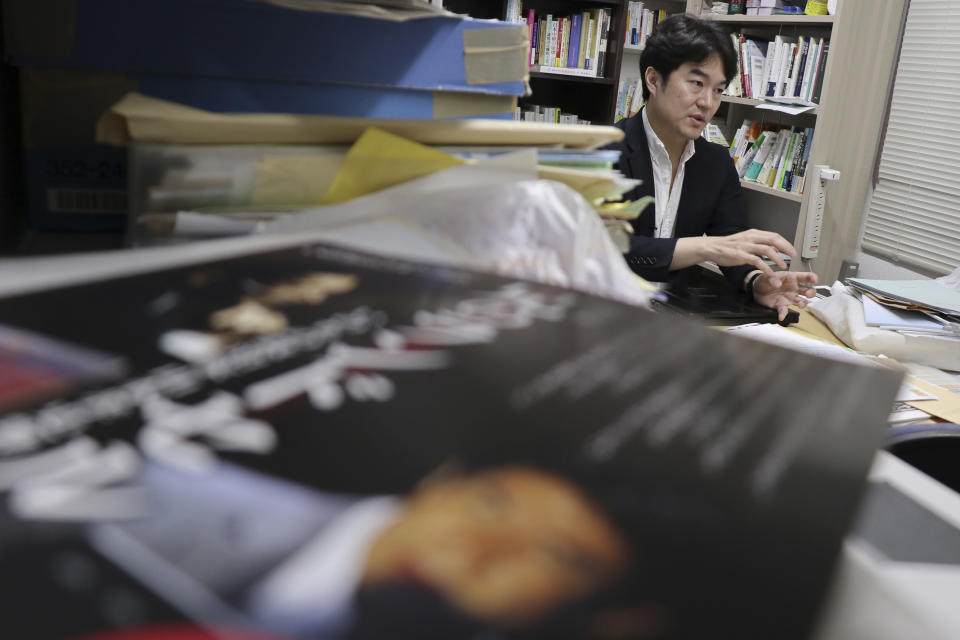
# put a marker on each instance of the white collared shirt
(311, 592)
(667, 198)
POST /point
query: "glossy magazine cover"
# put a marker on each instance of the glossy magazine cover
(313, 442)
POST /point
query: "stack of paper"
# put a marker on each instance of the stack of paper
(400, 188)
(910, 306)
(912, 294)
(187, 159)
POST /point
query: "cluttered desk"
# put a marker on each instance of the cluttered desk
(899, 569)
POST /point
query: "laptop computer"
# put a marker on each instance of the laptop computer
(712, 299)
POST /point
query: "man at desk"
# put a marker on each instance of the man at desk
(699, 214)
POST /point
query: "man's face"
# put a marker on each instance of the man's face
(680, 107)
(504, 546)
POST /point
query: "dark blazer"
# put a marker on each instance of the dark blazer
(710, 202)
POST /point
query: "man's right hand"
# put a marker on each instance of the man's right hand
(745, 247)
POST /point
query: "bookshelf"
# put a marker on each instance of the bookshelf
(591, 98)
(630, 65)
(864, 40)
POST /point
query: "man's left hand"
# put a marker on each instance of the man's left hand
(784, 288)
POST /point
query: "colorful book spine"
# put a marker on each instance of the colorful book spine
(563, 39)
(765, 142)
(573, 51)
(770, 164)
(584, 37)
(801, 174)
(597, 26)
(772, 68)
(790, 182)
(532, 26)
(589, 60)
(604, 39)
(551, 60)
(786, 159)
(815, 49)
(818, 77)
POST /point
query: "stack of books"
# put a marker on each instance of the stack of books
(238, 57)
(246, 166)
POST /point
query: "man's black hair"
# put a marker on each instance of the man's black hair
(684, 38)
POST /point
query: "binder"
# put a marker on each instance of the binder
(228, 95)
(260, 40)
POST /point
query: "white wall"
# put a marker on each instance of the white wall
(873, 267)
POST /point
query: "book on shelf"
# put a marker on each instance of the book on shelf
(589, 51)
(563, 42)
(582, 55)
(573, 49)
(514, 11)
(540, 113)
(799, 62)
(815, 60)
(574, 45)
(743, 66)
(772, 161)
(800, 175)
(768, 141)
(714, 133)
(604, 35)
(629, 98)
(640, 23)
(783, 80)
(539, 42)
(819, 72)
(735, 86)
(743, 139)
(783, 170)
(231, 474)
(598, 26)
(744, 161)
(533, 25)
(781, 48)
(790, 176)
(550, 51)
(756, 61)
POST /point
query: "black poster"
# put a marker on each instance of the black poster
(319, 443)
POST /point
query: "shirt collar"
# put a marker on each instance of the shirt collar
(657, 148)
(313, 589)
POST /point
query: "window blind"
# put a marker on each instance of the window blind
(914, 214)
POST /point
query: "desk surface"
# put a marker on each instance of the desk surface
(946, 406)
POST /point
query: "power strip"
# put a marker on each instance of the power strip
(813, 226)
